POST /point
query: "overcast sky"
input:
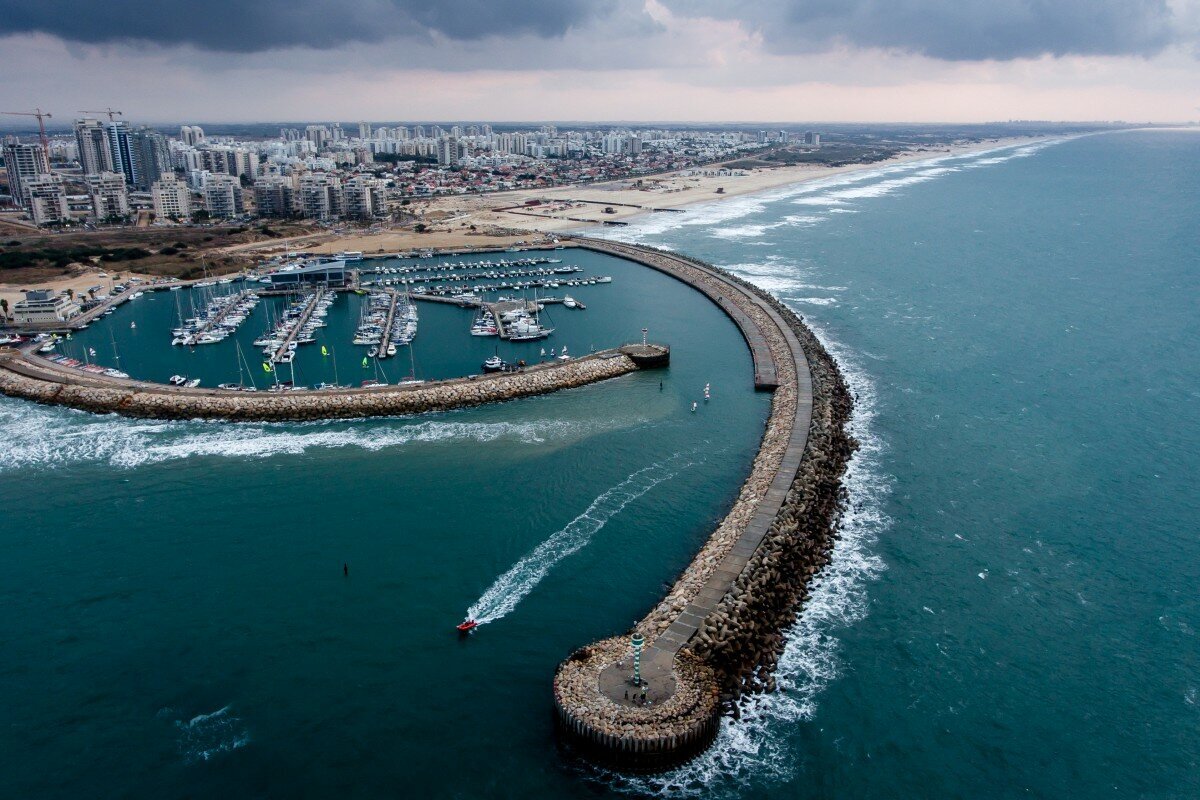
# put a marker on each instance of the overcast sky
(697, 60)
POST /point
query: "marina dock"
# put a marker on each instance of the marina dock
(219, 316)
(387, 326)
(295, 331)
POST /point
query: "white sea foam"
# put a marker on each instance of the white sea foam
(208, 735)
(510, 588)
(35, 436)
(759, 747)
(828, 195)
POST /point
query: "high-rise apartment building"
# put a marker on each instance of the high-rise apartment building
(191, 135)
(365, 197)
(364, 130)
(46, 199)
(22, 162)
(110, 198)
(223, 196)
(172, 199)
(274, 196)
(321, 196)
(92, 142)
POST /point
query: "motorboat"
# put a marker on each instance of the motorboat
(466, 626)
(493, 364)
(177, 380)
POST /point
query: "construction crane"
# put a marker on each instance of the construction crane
(41, 115)
(107, 111)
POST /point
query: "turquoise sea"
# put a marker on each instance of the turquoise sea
(1011, 610)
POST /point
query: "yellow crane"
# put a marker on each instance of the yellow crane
(37, 112)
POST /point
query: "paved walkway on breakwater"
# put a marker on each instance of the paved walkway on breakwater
(615, 724)
(32, 378)
(766, 371)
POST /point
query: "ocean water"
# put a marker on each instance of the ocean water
(1011, 609)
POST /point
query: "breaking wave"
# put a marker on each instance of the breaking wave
(819, 197)
(206, 736)
(35, 436)
(510, 588)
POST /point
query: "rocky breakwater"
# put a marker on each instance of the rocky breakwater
(30, 380)
(719, 631)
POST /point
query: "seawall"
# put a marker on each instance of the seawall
(718, 632)
(38, 380)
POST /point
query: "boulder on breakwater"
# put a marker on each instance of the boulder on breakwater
(32, 381)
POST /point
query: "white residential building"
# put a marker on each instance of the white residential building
(223, 196)
(320, 196)
(365, 197)
(172, 199)
(46, 199)
(110, 198)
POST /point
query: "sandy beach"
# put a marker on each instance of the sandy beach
(527, 215)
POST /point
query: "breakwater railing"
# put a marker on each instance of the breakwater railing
(718, 631)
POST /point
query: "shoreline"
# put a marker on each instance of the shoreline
(673, 192)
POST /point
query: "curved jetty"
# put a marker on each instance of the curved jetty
(652, 700)
(43, 381)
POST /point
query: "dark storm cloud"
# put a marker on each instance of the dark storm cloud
(952, 30)
(250, 25)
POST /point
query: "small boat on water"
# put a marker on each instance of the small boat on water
(192, 384)
(177, 380)
(466, 626)
(493, 364)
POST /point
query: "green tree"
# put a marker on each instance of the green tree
(4, 306)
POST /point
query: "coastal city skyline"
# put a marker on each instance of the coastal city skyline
(922, 60)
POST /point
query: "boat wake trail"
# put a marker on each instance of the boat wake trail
(35, 436)
(510, 588)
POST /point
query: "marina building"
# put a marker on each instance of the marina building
(172, 199)
(44, 306)
(110, 198)
(328, 273)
